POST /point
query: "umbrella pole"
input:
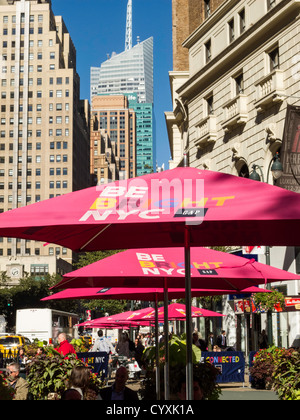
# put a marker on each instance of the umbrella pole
(157, 351)
(166, 341)
(188, 302)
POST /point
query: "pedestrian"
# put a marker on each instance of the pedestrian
(143, 340)
(19, 385)
(22, 359)
(199, 342)
(210, 341)
(78, 384)
(263, 340)
(119, 391)
(222, 340)
(203, 345)
(40, 351)
(138, 352)
(196, 339)
(122, 347)
(64, 346)
(102, 344)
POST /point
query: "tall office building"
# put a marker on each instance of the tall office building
(145, 129)
(130, 72)
(44, 130)
(113, 138)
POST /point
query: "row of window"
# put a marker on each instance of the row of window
(22, 31)
(52, 158)
(38, 108)
(39, 68)
(29, 199)
(38, 172)
(40, 18)
(58, 132)
(59, 93)
(52, 184)
(273, 64)
(38, 120)
(233, 30)
(31, 45)
(37, 270)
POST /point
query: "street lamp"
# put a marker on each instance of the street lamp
(277, 171)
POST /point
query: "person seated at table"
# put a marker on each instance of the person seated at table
(118, 391)
(216, 349)
(19, 385)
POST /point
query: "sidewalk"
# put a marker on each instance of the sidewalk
(236, 392)
(232, 392)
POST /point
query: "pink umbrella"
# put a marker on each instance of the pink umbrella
(176, 311)
(210, 269)
(143, 294)
(146, 316)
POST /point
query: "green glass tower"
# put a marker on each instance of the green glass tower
(145, 150)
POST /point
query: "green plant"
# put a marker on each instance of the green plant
(268, 301)
(204, 373)
(286, 375)
(49, 373)
(6, 392)
(79, 345)
(262, 370)
(280, 369)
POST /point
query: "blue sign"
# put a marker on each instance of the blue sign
(230, 363)
(98, 362)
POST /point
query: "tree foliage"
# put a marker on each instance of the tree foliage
(100, 307)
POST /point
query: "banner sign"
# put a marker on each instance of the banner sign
(230, 363)
(292, 304)
(98, 362)
(242, 306)
(290, 151)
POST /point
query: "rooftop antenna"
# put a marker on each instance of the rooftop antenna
(128, 37)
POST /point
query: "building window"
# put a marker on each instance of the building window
(39, 270)
(207, 51)
(231, 30)
(274, 59)
(239, 84)
(242, 21)
(207, 8)
(271, 4)
(210, 105)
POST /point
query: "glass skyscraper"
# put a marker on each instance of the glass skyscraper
(145, 150)
(129, 71)
(132, 72)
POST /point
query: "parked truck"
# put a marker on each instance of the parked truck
(45, 324)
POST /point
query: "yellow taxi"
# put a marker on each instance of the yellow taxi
(11, 343)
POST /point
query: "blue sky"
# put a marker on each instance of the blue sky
(97, 28)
